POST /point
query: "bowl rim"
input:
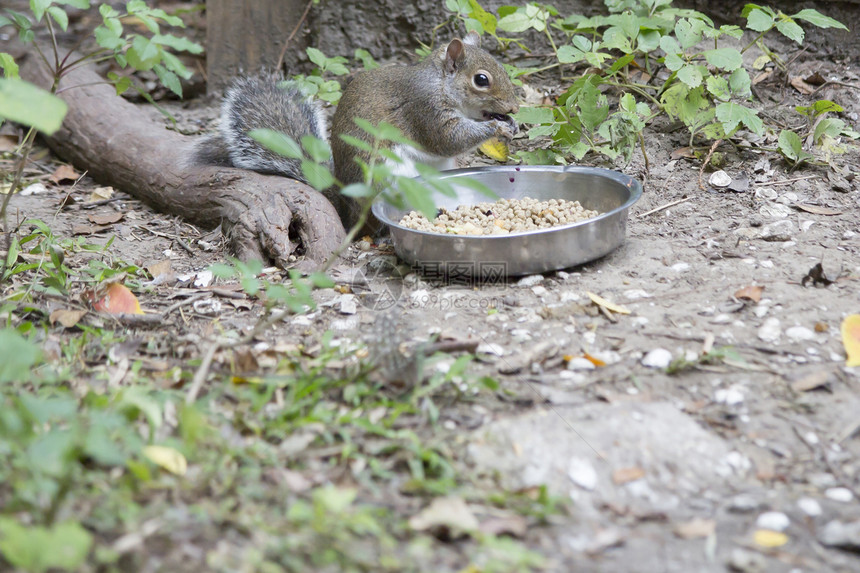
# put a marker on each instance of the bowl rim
(632, 184)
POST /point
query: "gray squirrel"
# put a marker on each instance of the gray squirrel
(449, 103)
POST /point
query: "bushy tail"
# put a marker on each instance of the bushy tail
(261, 102)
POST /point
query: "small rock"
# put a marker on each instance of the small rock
(636, 294)
(740, 183)
(773, 520)
(490, 348)
(731, 396)
(842, 535)
(743, 503)
(680, 267)
(657, 358)
(530, 281)
(580, 363)
(787, 198)
(582, 473)
(805, 225)
(770, 331)
(762, 165)
(746, 561)
(765, 193)
(799, 333)
(779, 231)
(203, 279)
(34, 189)
(348, 304)
(720, 179)
(841, 494)
(539, 290)
(721, 319)
(840, 184)
(809, 506)
(775, 211)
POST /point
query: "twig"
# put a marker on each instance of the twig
(833, 82)
(707, 160)
(189, 300)
(666, 206)
(786, 181)
(293, 34)
(200, 375)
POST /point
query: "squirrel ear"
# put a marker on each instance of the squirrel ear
(454, 55)
(473, 39)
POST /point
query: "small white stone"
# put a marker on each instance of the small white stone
(731, 396)
(680, 267)
(580, 363)
(490, 348)
(799, 333)
(636, 294)
(657, 358)
(766, 264)
(530, 281)
(569, 296)
(760, 310)
(34, 189)
(770, 331)
(809, 506)
(562, 275)
(841, 494)
(539, 290)
(765, 193)
(775, 211)
(203, 279)
(773, 520)
(805, 225)
(348, 304)
(721, 319)
(720, 179)
(301, 320)
(582, 473)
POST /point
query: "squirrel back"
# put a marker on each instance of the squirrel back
(265, 101)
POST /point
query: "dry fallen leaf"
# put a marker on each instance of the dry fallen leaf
(696, 528)
(66, 317)
(626, 475)
(168, 458)
(596, 361)
(851, 339)
(816, 210)
(8, 142)
(64, 173)
(513, 525)
(118, 300)
(801, 86)
(751, 293)
(811, 381)
(682, 153)
(600, 301)
(100, 194)
(160, 268)
(768, 538)
(106, 218)
(495, 149)
(449, 513)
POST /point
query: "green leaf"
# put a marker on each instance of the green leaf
(52, 452)
(758, 20)
(318, 176)
(357, 190)
(732, 115)
(819, 107)
(418, 196)
(366, 59)
(728, 59)
(168, 79)
(690, 75)
(60, 17)
(45, 410)
(24, 103)
(670, 45)
(356, 143)
(674, 62)
(791, 146)
(525, 17)
(740, 83)
(38, 7)
(317, 57)
(109, 39)
(487, 20)
(318, 149)
(648, 41)
(688, 32)
(278, 142)
(7, 63)
(36, 549)
(570, 55)
(789, 28)
(178, 44)
(718, 87)
(818, 19)
(828, 126)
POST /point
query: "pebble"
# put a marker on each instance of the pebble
(348, 304)
(680, 267)
(539, 290)
(775, 211)
(843, 535)
(809, 506)
(34, 189)
(765, 193)
(779, 231)
(530, 280)
(773, 520)
(203, 279)
(721, 319)
(636, 294)
(657, 358)
(842, 494)
(743, 503)
(788, 198)
(770, 331)
(746, 561)
(582, 473)
(799, 333)
(731, 396)
(720, 179)
(580, 363)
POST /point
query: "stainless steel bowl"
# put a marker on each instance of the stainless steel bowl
(609, 192)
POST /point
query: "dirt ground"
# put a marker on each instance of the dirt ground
(664, 472)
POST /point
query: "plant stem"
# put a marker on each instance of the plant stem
(759, 37)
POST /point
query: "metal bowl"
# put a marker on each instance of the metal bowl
(608, 192)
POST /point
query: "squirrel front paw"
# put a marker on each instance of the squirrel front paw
(506, 127)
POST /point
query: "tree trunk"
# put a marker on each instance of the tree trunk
(118, 144)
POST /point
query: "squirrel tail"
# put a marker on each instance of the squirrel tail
(257, 102)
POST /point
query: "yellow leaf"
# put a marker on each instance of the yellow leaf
(168, 458)
(851, 339)
(495, 149)
(768, 538)
(600, 301)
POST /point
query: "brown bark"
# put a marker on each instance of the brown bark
(119, 144)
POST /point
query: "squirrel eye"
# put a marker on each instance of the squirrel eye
(481, 80)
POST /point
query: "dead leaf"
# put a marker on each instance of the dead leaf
(495, 149)
(851, 339)
(600, 301)
(449, 515)
(245, 361)
(696, 528)
(821, 327)
(64, 173)
(100, 194)
(762, 77)
(751, 293)
(816, 210)
(512, 525)
(160, 268)
(118, 300)
(815, 79)
(626, 475)
(811, 381)
(596, 361)
(168, 458)
(106, 218)
(683, 153)
(68, 318)
(801, 86)
(8, 143)
(769, 539)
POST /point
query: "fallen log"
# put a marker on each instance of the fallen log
(119, 144)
